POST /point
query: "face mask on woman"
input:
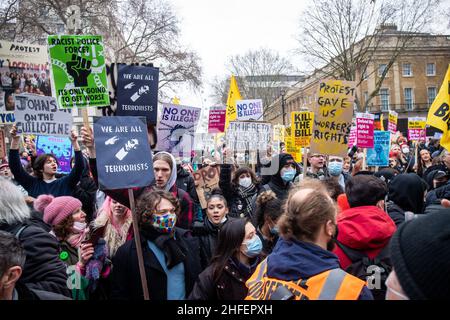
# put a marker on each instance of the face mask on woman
(288, 174)
(245, 182)
(335, 168)
(253, 247)
(164, 223)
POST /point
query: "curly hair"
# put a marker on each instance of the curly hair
(63, 229)
(149, 201)
(303, 218)
(267, 205)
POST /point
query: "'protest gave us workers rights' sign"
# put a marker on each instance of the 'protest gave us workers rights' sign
(78, 71)
(333, 117)
(126, 159)
(137, 90)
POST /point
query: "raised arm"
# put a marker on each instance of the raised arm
(75, 174)
(20, 175)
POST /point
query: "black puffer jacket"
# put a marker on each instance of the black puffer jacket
(186, 182)
(277, 184)
(407, 191)
(236, 203)
(207, 234)
(396, 213)
(43, 269)
(229, 286)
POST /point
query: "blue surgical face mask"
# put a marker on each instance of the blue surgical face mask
(253, 246)
(288, 174)
(335, 168)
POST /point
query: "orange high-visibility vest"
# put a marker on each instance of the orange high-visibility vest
(335, 284)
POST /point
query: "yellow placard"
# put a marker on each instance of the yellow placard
(302, 126)
(278, 132)
(292, 149)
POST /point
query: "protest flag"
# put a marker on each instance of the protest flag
(233, 96)
(175, 100)
(439, 113)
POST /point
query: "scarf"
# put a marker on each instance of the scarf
(115, 235)
(246, 194)
(174, 252)
(78, 235)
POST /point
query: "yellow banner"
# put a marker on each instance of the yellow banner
(414, 123)
(302, 125)
(233, 96)
(439, 113)
(333, 117)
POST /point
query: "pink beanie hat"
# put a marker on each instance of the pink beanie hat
(56, 209)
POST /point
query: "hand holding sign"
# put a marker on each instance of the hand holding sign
(15, 139)
(79, 68)
(87, 136)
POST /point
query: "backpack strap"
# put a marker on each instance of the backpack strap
(352, 254)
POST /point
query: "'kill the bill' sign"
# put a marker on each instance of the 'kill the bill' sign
(126, 158)
(78, 71)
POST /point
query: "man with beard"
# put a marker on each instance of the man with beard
(301, 266)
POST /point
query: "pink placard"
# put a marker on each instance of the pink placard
(216, 122)
(417, 134)
(352, 137)
(364, 131)
(392, 127)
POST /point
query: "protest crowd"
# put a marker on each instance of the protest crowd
(135, 217)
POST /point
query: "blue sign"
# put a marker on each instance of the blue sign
(379, 155)
(61, 147)
(137, 92)
(124, 158)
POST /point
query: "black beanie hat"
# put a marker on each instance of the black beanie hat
(420, 253)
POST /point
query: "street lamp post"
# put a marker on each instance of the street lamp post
(283, 93)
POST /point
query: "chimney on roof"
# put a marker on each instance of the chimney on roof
(388, 27)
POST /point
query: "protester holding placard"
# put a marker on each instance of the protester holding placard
(165, 176)
(45, 168)
(171, 255)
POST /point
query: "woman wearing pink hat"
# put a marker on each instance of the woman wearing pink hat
(68, 223)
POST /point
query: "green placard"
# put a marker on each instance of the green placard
(78, 71)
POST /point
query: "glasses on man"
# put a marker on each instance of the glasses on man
(317, 156)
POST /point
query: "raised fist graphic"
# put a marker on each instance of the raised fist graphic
(79, 68)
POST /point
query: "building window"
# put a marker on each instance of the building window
(431, 94)
(431, 69)
(409, 100)
(384, 96)
(381, 69)
(407, 70)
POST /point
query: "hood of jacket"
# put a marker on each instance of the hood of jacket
(282, 159)
(365, 228)
(407, 191)
(293, 260)
(173, 174)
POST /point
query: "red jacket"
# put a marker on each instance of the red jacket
(366, 228)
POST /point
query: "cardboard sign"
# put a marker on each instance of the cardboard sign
(392, 121)
(249, 110)
(364, 130)
(137, 92)
(78, 71)
(206, 179)
(293, 150)
(2, 145)
(176, 129)
(40, 115)
(217, 118)
(61, 147)
(379, 154)
(333, 117)
(416, 129)
(302, 125)
(249, 136)
(126, 158)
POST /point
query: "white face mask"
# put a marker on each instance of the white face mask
(245, 182)
(405, 150)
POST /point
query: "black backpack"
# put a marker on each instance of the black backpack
(373, 271)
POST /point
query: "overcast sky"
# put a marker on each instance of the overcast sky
(217, 30)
